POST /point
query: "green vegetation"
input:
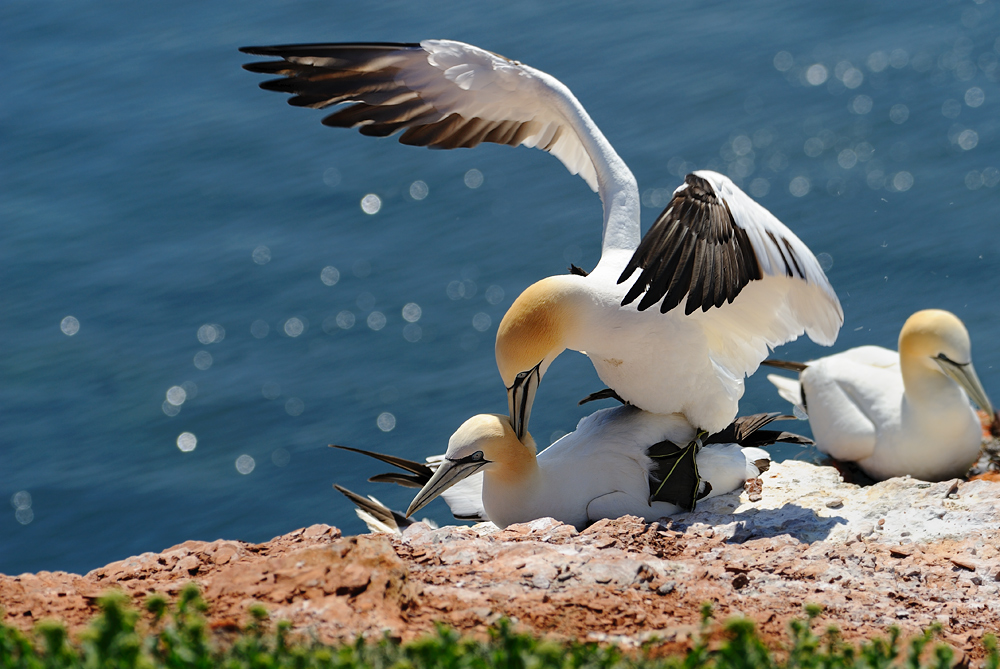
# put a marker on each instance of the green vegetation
(181, 640)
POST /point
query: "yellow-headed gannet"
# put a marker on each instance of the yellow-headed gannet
(618, 461)
(896, 413)
(728, 278)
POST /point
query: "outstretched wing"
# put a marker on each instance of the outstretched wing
(440, 93)
(711, 243)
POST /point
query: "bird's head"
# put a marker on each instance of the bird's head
(532, 333)
(937, 342)
(485, 441)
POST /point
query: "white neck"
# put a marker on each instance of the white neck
(925, 385)
(510, 500)
(511, 486)
(616, 183)
(934, 402)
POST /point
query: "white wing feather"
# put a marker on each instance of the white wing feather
(473, 82)
(450, 94)
(776, 309)
(811, 303)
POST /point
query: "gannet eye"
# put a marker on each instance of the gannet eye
(943, 358)
(477, 456)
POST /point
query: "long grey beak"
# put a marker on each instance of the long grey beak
(964, 374)
(448, 474)
(520, 397)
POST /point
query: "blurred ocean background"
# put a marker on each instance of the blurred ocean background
(202, 287)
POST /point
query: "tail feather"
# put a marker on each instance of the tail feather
(417, 468)
(786, 364)
(465, 499)
(606, 394)
(746, 431)
(789, 438)
(377, 516)
(789, 389)
(405, 480)
(758, 461)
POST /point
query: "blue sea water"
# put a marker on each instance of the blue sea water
(167, 233)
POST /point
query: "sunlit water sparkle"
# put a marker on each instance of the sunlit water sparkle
(183, 217)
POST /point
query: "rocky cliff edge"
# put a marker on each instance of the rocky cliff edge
(901, 552)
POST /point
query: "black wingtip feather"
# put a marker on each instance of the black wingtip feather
(744, 427)
(382, 513)
(605, 394)
(405, 480)
(323, 48)
(694, 251)
(417, 468)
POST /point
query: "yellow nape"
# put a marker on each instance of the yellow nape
(482, 427)
(535, 327)
(932, 331)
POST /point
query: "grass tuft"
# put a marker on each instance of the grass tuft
(179, 638)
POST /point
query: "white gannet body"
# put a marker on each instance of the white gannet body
(729, 280)
(612, 464)
(897, 413)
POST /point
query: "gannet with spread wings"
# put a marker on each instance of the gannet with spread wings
(673, 321)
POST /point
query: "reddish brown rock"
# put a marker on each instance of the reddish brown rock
(621, 580)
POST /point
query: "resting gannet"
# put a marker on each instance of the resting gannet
(728, 278)
(896, 413)
(618, 461)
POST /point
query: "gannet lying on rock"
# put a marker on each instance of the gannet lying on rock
(618, 461)
(728, 278)
(896, 413)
